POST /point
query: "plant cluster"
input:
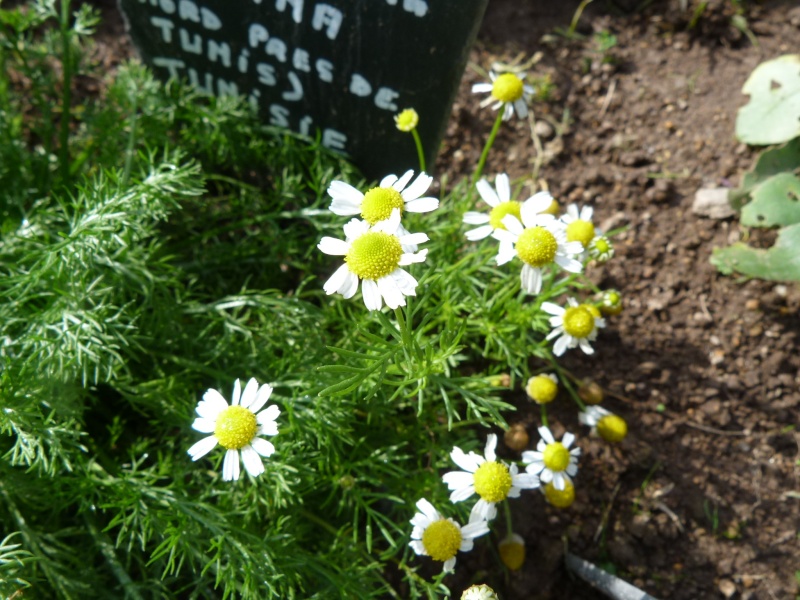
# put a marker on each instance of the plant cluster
(164, 246)
(769, 195)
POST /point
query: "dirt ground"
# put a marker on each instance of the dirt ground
(702, 499)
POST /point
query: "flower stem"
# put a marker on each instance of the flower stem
(420, 152)
(507, 511)
(565, 379)
(489, 143)
(66, 92)
(544, 416)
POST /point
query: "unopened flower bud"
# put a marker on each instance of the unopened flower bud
(501, 380)
(612, 428)
(517, 438)
(560, 498)
(512, 551)
(407, 120)
(347, 482)
(591, 393)
(542, 388)
(479, 592)
(611, 303)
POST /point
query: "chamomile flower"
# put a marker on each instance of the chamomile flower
(379, 202)
(441, 538)
(579, 224)
(610, 427)
(374, 255)
(611, 303)
(552, 460)
(539, 240)
(601, 249)
(491, 479)
(237, 427)
(479, 592)
(508, 91)
(407, 120)
(542, 388)
(500, 205)
(576, 325)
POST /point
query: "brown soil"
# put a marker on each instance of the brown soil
(701, 500)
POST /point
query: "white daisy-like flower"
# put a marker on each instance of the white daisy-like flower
(552, 460)
(486, 476)
(576, 325)
(479, 592)
(506, 90)
(379, 202)
(580, 227)
(441, 538)
(237, 427)
(538, 240)
(501, 204)
(374, 255)
(606, 424)
(601, 249)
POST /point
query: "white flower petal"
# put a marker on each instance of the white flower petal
(481, 88)
(567, 439)
(387, 181)
(482, 510)
(558, 481)
(261, 398)
(569, 264)
(449, 564)
(473, 235)
(475, 218)
(355, 228)
(339, 190)
(252, 461)
(268, 415)
(422, 205)
(237, 392)
(427, 509)
(230, 466)
(418, 548)
(263, 447)
(339, 280)
(474, 529)
(513, 224)
(334, 247)
(503, 187)
(416, 189)
(487, 193)
(391, 294)
(409, 258)
(521, 108)
(553, 309)
(413, 238)
(585, 346)
(203, 447)
(525, 481)
(349, 288)
(211, 405)
(404, 281)
(491, 444)
(469, 462)
(204, 425)
(401, 183)
(534, 205)
(547, 435)
(249, 394)
(462, 493)
(371, 294)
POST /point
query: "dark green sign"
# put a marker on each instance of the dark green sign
(341, 67)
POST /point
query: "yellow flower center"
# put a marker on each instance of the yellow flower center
(374, 255)
(407, 120)
(602, 245)
(236, 427)
(560, 498)
(542, 389)
(512, 207)
(507, 88)
(552, 209)
(580, 231)
(442, 539)
(612, 428)
(578, 321)
(492, 481)
(537, 246)
(556, 456)
(378, 204)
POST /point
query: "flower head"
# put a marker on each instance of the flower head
(542, 388)
(491, 479)
(506, 90)
(407, 120)
(612, 428)
(601, 249)
(611, 303)
(512, 551)
(538, 240)
(441, 538)
(579, 224)
(575, 325)
(379, 202)
(237, 427)
(500, 205)
(374, 255)
(560, 498)
(552, 460)
(479, 592)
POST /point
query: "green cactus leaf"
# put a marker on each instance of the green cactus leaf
(779, 263)
(776, 201)
(773, 114)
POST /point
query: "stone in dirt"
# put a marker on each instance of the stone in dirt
(712, 203)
